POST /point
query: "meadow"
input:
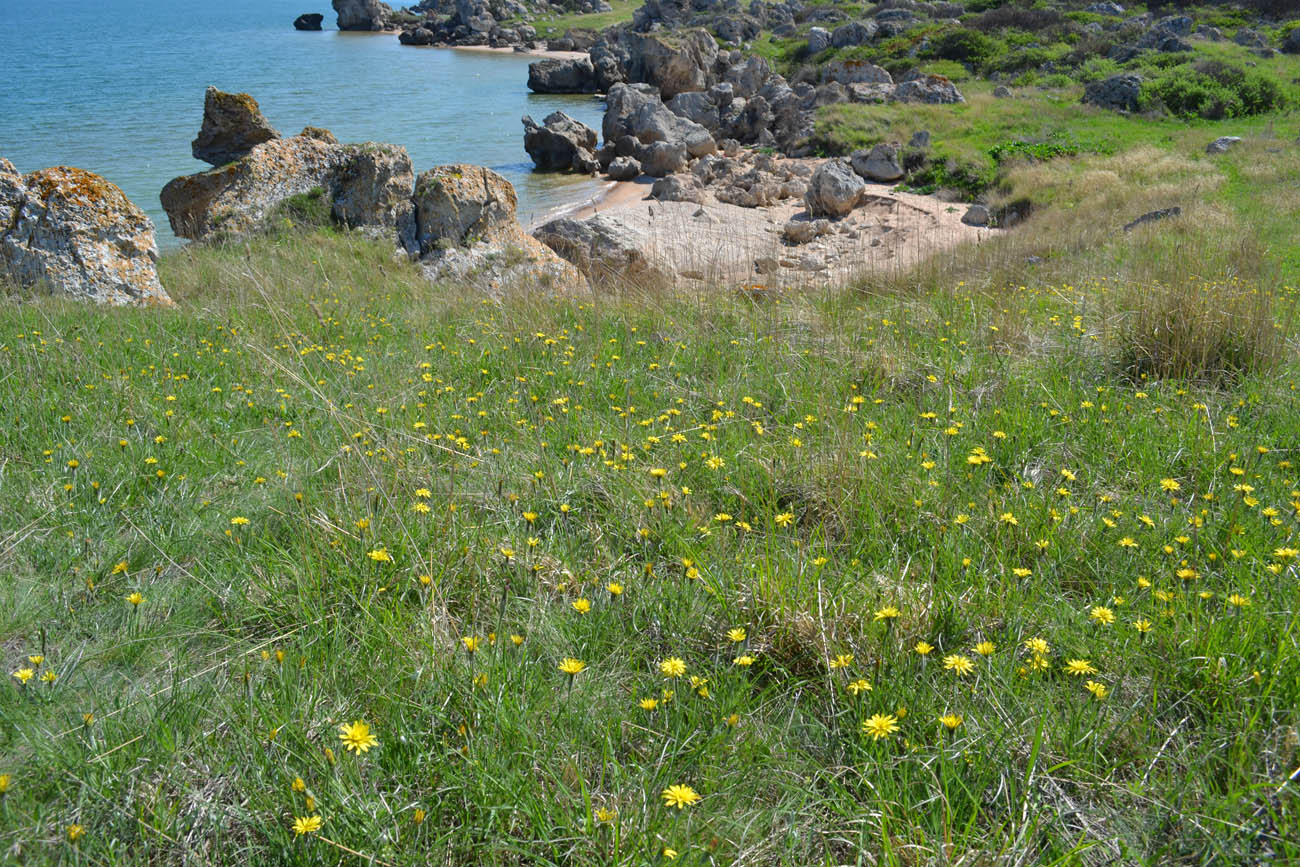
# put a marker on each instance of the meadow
(329, 565)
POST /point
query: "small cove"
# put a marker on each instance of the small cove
(117, 88)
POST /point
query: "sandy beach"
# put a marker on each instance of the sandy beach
(488, 49)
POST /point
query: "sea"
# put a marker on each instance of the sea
(116, 87)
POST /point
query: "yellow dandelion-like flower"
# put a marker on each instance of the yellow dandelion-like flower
(843, 660)
(24, 674)
(1038, 646)
(380, 555)
(1238, 601)
(306, 825)
(958, 663)
(1079, 667)
(1098, 690)
(737, 635)
(356, 736)
(950, 721)
(680, 796)
(648, 703)
(1102, 615)
(471, 643)
(75, 832)
(880, 725)
(672, 667)
(887, 613)
(857, 687)
(985, 648)
(582, 606)
(924, 648)
(135, 599)
(1170, 485)
(571, 666)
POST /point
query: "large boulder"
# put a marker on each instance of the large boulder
(233, 125)
(675, 63)
(662, 158)
(819, 39)
(747, 77)
(368, 187)
(576, 75)
(856, 72)
(599, 249)
(697, 107)
(1121, 92)
(1291, 45)
(854, 33)
(467, 230)
(834, 190)
(878, 164)
(561, 143)
(77, 233)
(632, 112)
(624, 169)
(371, 15)
(931, 89)
(308, 21)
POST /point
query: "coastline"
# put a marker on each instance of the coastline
(613, 196)
(531, 52)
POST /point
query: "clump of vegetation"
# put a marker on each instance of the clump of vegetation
(1213, 90)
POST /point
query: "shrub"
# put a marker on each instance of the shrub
(1213, 90)
(1019, 18)
(964, 46)
(309, 210)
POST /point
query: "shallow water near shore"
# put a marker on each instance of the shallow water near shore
(116, 87)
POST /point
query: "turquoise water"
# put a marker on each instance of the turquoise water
(116, 87)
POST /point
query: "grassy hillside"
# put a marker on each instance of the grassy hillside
(344, 495)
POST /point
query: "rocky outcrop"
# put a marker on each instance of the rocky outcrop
(466, 229)
(561, 143)
(562, 76)
(370, 15)
(930, 89)
(834, 190)
(600, 250)
(675, 63)
(857, 72)
(1121, 92)
(649, 131)
(1222, 144)
(1291, 45)
(308, 21)
(878, 164)
(233, 125)
(623, 169)
(78, 234)
(368, 186)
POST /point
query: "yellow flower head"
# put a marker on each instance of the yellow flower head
(1079, 667)
(571, 666)
(356, 737)
(887, 613)
(471, 643)
(582, 606)
(958, 663)
(135, 598)
(985, 648)
(737, 634)
(923, 648)
(24, 675)
(680, 796)
(306, 825)
(672, 667)
(880, 725)
(950, 721)
(649, 703)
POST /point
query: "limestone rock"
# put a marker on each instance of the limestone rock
(834, 189)
(1291, 45)
(467, 230)
(562, 76)
(854, 33)
(819, 39)
(370, 189)
(675, 64)
(878, 164)
(233, 125)
(1121, 92)
(976, 215)
(930, 89)
(1222, 144)
(804, 231)
(856, 72)
(599, 249)
(362, 14)
(79, 234)
(678, 188)
(662, 158)
(561, 143)
(624, 169)
(308, 21)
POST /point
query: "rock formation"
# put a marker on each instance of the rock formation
(308, 21)
(561, 143)
(363, 14)
(562, 76)
(79, 234)
(835, 189)
(467, 230)
(1122, 92)
(232, 126)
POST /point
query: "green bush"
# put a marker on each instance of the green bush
(964, 46)
(1212, 90)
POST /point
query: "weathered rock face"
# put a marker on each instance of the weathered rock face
(562, 76)
(674, 64)
(1291, 45)
(1222, 144)
(834, 190)
(662, 158)
(368, 185)
(79, 234)
(931, 89)
(819, 39)
(233, 125)
(660, 140)
(1121, 92)
(599, 250)
(467, 229)
(561, 143)
(308, 21)
(624, 169)
(370, 189)
(854, 33)
(878, 164)
(857, 72)
(362, 14)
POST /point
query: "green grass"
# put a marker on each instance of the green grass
(554, 26)
(321, 474)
